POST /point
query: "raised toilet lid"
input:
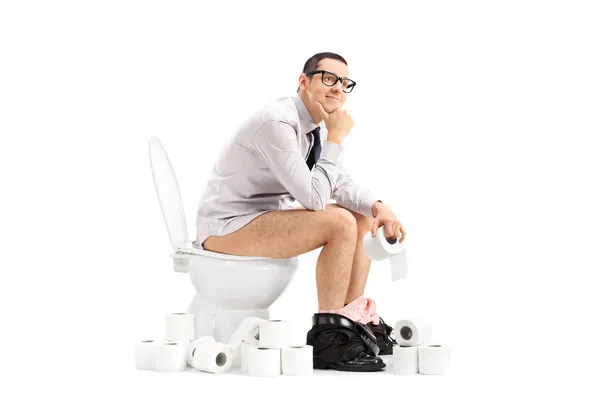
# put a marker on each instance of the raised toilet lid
(169, 195)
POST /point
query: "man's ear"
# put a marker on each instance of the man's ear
(301, 79)
(304, 79)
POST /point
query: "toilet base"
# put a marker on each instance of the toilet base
(221, 324)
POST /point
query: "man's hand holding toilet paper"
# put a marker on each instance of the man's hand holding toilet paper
(384, 216)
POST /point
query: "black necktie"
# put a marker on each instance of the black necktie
(315, 152)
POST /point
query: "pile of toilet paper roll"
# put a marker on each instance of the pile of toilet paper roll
(262, 348)
(259, 347)
(178, 348)
(416, 353)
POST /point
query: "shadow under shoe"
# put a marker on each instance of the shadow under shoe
(384, 334)
(342, 344)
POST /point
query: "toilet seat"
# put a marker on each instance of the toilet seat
(187, 247)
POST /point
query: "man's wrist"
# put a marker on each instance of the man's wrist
(375, 207)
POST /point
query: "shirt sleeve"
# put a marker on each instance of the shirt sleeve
(276, 144)
(352, 196)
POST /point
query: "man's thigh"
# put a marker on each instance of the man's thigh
(279, 234)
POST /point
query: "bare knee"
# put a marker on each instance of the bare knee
(363, 222)
(342, 222)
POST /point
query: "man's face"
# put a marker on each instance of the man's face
(331, 97)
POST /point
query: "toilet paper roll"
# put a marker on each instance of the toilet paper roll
(412, 332)
(179, 327)
(263, 362)
(214, 357)
(297, 360)
(145, 354)
(227, 322)
(170, 357)
(434, 359)
(244, 347)
(406, 360)
(191, 348)
(249, 332)
(274, 334)
(379, 248)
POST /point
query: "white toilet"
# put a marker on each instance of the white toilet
(229, 287)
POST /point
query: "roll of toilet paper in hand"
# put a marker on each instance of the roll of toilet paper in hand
(145, 354)
(244, 347)
(191, 348)
(379, 248)
(406, 360)
(249, 332)
(211, 356)
(263, 362)
(412, 332)
(434, 359)
(179, 327)
(297, 360)
(170, 357)
(274, 334)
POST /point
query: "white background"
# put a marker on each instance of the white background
(476, 121)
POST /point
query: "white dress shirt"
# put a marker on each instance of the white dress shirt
(263, 168)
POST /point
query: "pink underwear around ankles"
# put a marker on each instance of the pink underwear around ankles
(361, 310)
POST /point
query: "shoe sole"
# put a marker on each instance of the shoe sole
(319, 364)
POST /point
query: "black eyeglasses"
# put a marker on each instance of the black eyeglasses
(331, 79)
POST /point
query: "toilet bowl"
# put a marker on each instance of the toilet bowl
(229, 287)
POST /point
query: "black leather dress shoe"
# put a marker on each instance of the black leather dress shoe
(342, 344)
(385, 337)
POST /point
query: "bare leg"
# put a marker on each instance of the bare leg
(361, 263)
(334, 266)
(289, 233)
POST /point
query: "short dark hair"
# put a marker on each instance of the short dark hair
(313, 63)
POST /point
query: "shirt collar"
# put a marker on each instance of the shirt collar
(307, 124)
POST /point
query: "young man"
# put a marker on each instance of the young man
(291, 150)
